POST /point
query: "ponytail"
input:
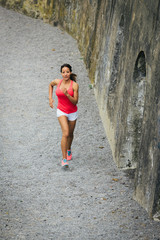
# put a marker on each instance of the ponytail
(73, 77)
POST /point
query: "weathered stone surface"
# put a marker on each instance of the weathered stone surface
(119, 41)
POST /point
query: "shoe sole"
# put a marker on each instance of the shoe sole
(65, 167)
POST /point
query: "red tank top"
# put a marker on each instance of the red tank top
(64, 104)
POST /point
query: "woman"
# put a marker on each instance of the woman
(67, 94)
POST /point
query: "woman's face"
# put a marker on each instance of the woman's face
(66, 73)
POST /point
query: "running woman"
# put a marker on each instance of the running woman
(67, 94)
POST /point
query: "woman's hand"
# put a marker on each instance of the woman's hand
(64, 90)
(51, 101)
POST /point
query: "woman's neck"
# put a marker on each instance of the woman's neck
(66, 81)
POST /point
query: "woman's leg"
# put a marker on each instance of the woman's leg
(63, 120)
(72, 125)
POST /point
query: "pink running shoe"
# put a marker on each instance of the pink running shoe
(64, 163)
(69, 155)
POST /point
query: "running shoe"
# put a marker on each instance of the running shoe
(64, 163)
(69, 155)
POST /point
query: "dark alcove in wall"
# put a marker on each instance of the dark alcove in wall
(138, 90)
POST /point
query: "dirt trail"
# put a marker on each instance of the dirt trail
(38, 200)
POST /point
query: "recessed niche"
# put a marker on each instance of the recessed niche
(140, 67)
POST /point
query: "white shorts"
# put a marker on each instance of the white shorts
(70, 116)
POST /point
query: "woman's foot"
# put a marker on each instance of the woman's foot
(69, 155)
(64, 163)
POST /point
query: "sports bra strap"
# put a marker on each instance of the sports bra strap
(60, 83)
(71, 83)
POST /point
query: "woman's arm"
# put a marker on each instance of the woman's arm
(73, 99)
(51, 86)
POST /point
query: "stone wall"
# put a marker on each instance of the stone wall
(119, 41)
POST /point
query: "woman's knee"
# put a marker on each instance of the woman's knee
(65, 134)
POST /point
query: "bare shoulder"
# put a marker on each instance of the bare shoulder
(75, 86)
(55, 82)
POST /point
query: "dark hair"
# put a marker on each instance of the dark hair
(73, 75)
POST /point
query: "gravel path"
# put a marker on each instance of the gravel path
(39, 200)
